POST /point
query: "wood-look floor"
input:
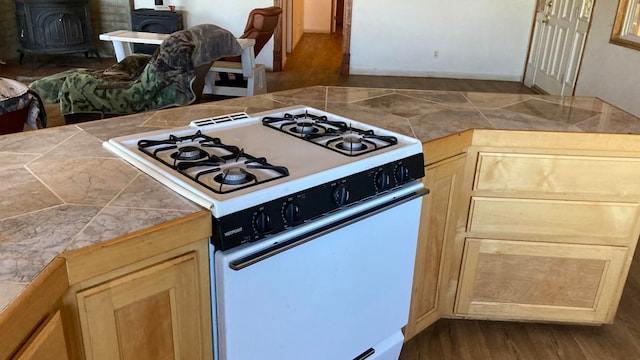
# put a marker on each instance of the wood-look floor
(491, 340)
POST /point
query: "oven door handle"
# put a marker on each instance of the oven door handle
(251, 259)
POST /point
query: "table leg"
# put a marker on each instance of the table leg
(122, 49)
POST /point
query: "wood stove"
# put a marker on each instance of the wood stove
(54, 27)
(160, 22)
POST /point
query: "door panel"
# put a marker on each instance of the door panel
(559, 35)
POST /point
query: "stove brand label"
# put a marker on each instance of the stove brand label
(233, 231)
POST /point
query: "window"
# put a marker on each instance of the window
(626, 29)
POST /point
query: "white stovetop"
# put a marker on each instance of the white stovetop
(309, 164)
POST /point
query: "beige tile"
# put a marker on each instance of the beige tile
(145, 192)
(509, 120)
(112, 222)
(89, 181)
(611, 120)
(401, 105)
(552, 111)
(81, 144)
(313, 93)
(10, 292)
(319, 104)
(29, 242)
(372, 117)
(447, 122)
(23, 193)
(37, 141)
(182, 116)
(450, 98)
(495, 100)
(10, 160)
(347, 94)
(114, 127)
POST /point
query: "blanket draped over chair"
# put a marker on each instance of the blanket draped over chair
(141, 82)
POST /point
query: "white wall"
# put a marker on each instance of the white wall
(476, 39)
(608, 71)
(317, 16)
(231, 15)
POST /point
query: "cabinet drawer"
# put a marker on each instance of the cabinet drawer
(558, 174)
(609, 223)
(516, 280)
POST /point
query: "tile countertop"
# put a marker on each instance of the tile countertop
(62, 191)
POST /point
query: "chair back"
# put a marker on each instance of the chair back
(261, 25)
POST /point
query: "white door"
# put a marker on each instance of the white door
(559, 35)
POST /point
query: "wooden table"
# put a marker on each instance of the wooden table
(123, 41)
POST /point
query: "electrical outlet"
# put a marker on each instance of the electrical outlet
(436, 54)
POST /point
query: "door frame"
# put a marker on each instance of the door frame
(280, 33)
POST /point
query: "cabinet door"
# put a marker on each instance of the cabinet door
(47, 343)
(153, 313)
(520, 280)
(436, 225)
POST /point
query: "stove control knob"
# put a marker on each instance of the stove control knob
(383, 181)
(262, 222)
(340, 195)
(402, 174)
(291, 213)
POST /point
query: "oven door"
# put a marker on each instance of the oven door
(338, 288)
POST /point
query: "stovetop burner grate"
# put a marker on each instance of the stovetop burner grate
(338, 136)
(218, 167)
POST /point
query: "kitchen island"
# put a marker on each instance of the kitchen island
(63, 193)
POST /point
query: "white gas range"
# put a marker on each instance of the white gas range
(315, 226)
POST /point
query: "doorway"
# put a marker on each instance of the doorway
(559, 34)
(283, 36)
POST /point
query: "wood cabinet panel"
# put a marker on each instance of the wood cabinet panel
(21, 323)
(152, 313)
(540, 281)
(436, 226)
(558, 174)
(593, 222)
(47, 343)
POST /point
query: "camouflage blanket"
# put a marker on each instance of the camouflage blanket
(141, 82)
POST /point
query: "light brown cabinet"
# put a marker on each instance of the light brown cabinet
(148, 314)
(47, 343)
(32, 326)
(540, 226)
(441, 178)
(523, 280)
(145, 295)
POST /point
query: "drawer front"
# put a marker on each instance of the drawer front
(515, 280)
(558, 174)
(609, 223)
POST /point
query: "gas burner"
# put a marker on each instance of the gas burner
(351, 143)
(305, 127)
(335, 135)
(189, 153)
(234, 176)
(210, 163)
